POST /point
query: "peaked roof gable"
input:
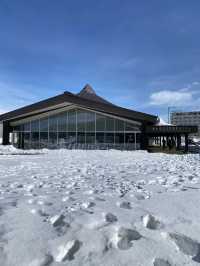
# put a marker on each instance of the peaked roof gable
(89, 93)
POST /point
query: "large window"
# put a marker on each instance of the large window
(90, 122)
(44, 125)
(27, 127)
(76, 126)
(27, 137)
(129, 137)
(81, 121)
(100, 137)
(44, 139)
(71, 138)
(81, 137)
(62, 138)
(53, 139)
(110, 124)
(119, 125)
(35, 126)
(35, 140)
(131, 127)
(53, 123)
(72, 121)
(62, 122)
(109, 138)
(90, 138)
(119, 138)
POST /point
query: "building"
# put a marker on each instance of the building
(82, 121)
(186, 119)
(1, 132)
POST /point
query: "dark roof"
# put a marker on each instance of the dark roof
(86, 102)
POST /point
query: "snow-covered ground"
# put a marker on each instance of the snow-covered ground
(72, 207)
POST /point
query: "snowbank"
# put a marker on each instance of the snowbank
(10, 150)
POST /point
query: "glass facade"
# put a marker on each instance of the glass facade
(77, 129)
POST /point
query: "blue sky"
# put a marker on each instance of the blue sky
(143, 55)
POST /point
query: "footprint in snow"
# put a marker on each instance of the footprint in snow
(45, 261)
(1, 211)
(99, 199)
(86, 205)
(39, 212)
(47, 203)
(186, 245)
(139, 196)
(126, 236)
(109, 217)
(161, 262)
(150, 222)
(67, 251)
(124, 205)
(57, 220)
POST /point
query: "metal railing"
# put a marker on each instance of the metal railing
(172, 129)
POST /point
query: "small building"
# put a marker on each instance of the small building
(186, 119)
(83, 121)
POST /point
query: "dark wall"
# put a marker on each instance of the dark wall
(6, 130)
(144, 137)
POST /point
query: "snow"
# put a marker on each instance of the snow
(162, 122)
(73, 207)
(196, 140)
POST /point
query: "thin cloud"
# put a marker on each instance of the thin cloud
(195, 83)
(189, 95)
(176, 98)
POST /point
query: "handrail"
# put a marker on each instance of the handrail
(173, 129)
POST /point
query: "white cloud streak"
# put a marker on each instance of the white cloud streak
(186, 96)
(168, 97)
